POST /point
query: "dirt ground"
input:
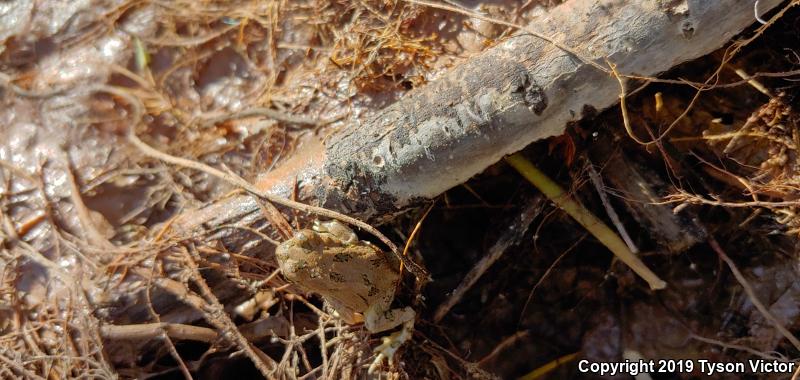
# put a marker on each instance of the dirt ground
(98, 282)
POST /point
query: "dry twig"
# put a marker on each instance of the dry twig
(751, 294)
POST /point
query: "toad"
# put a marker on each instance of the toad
(355, 278)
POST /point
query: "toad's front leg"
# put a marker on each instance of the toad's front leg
(377, 319)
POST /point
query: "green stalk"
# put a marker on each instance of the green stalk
(592, 224)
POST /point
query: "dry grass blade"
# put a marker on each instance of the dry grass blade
(549, 367)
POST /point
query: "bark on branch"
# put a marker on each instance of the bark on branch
(522, 90)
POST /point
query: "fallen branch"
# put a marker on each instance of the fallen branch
(526, 88)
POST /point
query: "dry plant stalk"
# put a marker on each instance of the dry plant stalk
(586, 219)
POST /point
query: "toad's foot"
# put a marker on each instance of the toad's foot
(390, 345)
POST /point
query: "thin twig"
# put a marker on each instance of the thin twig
(92, 235)
(216, 315)
(696, 199)
(547, 274)
(523, 28)
(796, 373)
(269, 113)
(512, 236)
(505, 344)
(5, 80)
(623, 94)
(18, 367)
(416, 229)
(706, 86)
(612, 214)
(735, 347)
(163, 333)
(753, 82)
(751, 294)
(155, 330)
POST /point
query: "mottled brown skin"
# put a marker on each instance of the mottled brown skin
(354, 277)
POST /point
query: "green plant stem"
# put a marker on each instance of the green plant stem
(592, 224)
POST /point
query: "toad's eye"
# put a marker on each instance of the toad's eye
(300, 237)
